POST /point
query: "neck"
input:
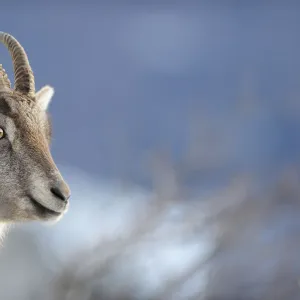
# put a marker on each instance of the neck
(3, 231)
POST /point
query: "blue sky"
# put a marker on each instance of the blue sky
(130, 78)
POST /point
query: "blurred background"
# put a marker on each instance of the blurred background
(176, 125)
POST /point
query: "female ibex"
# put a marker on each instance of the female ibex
(31, 186)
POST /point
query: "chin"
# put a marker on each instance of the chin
(45, 214)
(52, 221)
(49, 217)
(26, 211)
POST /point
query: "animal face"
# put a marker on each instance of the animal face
(31, 186)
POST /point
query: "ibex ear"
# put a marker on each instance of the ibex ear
(43, 96)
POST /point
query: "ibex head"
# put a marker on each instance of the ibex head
(31, 186)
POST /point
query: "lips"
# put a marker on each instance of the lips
(42, 209)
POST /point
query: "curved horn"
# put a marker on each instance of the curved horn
(4, 81)
(24, 79)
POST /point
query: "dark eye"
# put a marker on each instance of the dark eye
(2, 134)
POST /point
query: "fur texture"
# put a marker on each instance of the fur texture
(27, 170)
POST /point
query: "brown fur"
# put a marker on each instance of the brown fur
(27, 168)
(31, 186)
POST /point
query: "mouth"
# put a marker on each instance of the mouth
(44, 210)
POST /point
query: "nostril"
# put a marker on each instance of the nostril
(60, 193)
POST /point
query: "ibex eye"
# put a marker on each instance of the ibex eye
(2, 134)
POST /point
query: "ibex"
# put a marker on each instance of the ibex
(31, 186)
